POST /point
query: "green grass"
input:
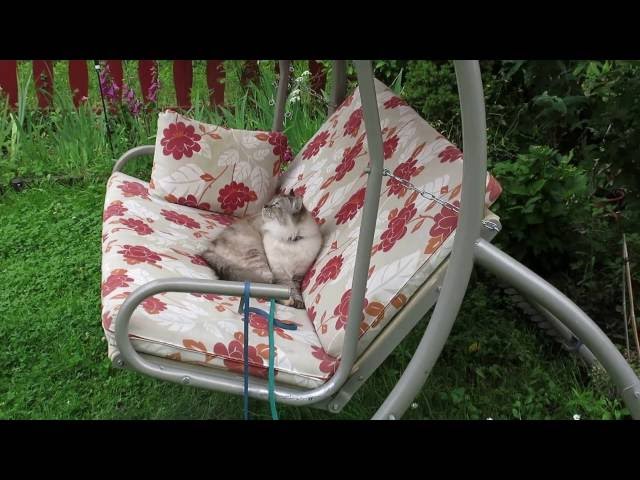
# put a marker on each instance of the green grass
(53, 363)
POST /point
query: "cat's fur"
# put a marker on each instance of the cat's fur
(276, 246)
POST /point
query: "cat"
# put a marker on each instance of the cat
(277, 245)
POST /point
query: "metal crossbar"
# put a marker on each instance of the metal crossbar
(405, 183)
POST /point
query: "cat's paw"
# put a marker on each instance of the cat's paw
(292, 302)
(298, 304)
(288, 302)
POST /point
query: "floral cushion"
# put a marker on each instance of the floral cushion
(413, 234)
(147, 238)
(215, 168)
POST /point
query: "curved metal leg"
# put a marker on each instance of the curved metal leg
(461, 263)
(129, 154)
(545, 294)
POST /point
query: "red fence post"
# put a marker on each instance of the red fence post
(215, 82)
(318, 76)
(147, 73)
(79, 81)
(43, 78)
(9, 80)
(183, 80)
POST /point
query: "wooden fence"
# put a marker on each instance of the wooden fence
(182, 78)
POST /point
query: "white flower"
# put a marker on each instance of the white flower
(489, 418)
(576, 416)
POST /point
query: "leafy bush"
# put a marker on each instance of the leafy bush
(562, 135)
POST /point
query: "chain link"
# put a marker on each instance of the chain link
(431, 196)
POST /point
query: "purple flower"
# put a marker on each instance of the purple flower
(152, 94)
(134, 105)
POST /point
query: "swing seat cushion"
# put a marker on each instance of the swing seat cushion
(146, 238)
(216, 168)
(413, 234)
(149, 236)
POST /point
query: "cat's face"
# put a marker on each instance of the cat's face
(283, 208)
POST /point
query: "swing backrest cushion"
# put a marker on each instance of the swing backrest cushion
(215, 168)
(413, 234)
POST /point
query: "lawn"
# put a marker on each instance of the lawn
(53, 363)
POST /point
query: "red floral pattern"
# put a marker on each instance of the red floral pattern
(219, 218)
(493, 190)
(134, 254)
(449, 154)
(138, 226)
(208, 296)
(307, 278)
(179, 218)
(328, 364)
(115, 209)
(406, 171)
(180, 140)
(153, 306)
(117, 279)
(233, 355)
(234, 196)
(311, 313)
(445, 222)
(348, 160)
(350, 209)
(260, 327)
(134, 189)
(211, 159)
(394, 102)
(397, 227)
(188, 201)
(281, 149)
(389, 146)
(342, 310)
(330, 270)
(314, 146)
(353, 124)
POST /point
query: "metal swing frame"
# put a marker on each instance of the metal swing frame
(445, 287)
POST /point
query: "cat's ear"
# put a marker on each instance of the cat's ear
(296, 203)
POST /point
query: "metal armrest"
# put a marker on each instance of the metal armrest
(134, 152)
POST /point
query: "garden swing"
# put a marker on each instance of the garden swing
(402, 230)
